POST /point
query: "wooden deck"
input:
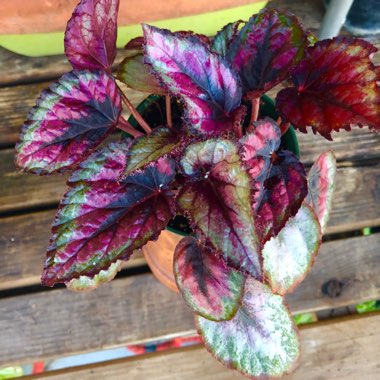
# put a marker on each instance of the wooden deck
(39, 324)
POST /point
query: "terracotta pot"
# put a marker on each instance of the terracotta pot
(42, 16)
(159, 254)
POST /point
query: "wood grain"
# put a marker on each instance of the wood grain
(23, 242)
(356, 200)
(340, 349)
(55, 323)
(358, 144)
(16, 101)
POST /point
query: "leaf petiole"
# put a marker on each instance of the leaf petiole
(168, 106)
(134, 113)
(126, 126)
(255, 109)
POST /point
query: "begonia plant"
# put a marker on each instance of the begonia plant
(256, 217)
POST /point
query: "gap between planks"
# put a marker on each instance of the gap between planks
(340, 348)
(137, 308)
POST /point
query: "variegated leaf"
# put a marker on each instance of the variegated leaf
(321, 179)
(335, 87)
(218, 201)
(72, 117)
(289, 256)
(266, 48)
(147, 149)
(207, 84)
(90, 37)
(85, 283)
(209, 287)
(102, 219)
(260, 341)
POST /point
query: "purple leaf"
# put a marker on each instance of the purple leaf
(279, 178)
(266, 48)
(101, 219)
(90, 37)
(321, 179)
(289, 256)
(146, 149)
(72, 117)
(209, 287)
(206, 83)
(224, 37)
(260, 341)
(334, 88)
(218, 202)
(86, 283)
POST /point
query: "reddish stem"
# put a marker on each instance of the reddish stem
(255, 109)
(126, 126)
(168, 106)
(135, 114)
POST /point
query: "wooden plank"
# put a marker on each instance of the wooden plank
(356, 199)
(16, 101)
(24, 238)
(23, 242)
(20, 190)
(343, 348)
(55, 323)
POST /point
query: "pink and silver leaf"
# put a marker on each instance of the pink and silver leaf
(105, 220)
(217, 199)
(209, 287)
(71, 118)
(266, 49)
(289, 256)
(278, 178)
(90, 36)
(260, 341)
(334, 87)
(321, 180)
(208, 86)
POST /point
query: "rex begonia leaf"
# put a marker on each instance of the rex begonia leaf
(278, 178)
(260, 341)
(334, 88)
(86, 283)
(211, 288)
(103, 219)
(72, 117)
(147, 149)
(224, 37)
(207, 84)
(218, 202)
(321, 179)
(134, 73)
(90, 37)
(289, 256)
(266, 48)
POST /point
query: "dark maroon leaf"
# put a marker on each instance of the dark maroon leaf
(90, 37)
(208, 285)
(334, 88)
(266, 48)
(208, 86)
(278, 177)
(102, 219)
(218, 202)
(72, 117)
